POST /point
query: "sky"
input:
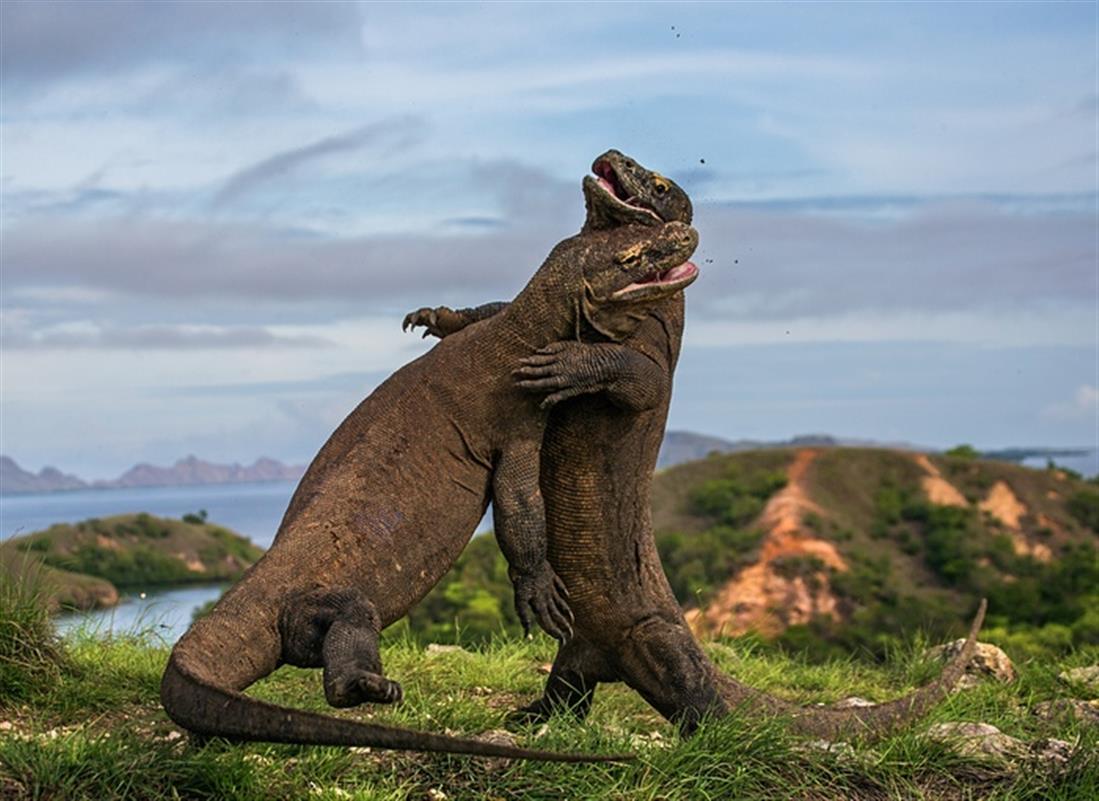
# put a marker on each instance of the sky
(214, 216)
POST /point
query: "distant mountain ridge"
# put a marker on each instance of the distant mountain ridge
(678, 447)
(189, 471)
(687, 446)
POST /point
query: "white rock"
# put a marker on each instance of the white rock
(978, 740)
(1083, 711)
(1087, 676)
(988, 661)
(852, 701)
(439, 648)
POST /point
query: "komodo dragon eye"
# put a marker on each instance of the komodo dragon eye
(660, 185)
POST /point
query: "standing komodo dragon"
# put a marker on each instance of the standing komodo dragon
(390, 501)
(597, 463)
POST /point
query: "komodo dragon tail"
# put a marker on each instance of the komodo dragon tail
(865, 721)
(193, 699)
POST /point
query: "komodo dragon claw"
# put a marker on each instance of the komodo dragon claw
(440, 321)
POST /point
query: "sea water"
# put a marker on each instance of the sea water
(253, 510)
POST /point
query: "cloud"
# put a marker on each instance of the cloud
(757, 263)
(1084, 405)
(153, 337)
(44, 41)
(394, 134)
(936, 256)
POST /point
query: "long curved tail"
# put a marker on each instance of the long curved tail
(865, 721)
(194, 700)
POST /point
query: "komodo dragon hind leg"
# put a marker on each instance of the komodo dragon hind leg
(662, 662)
(577, 669)
(337, 629)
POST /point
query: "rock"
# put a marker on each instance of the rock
(6, 725)
(978, 740)
(988, 662)
(852, 701)
(1083, 711)
(497, 737)
(653, 739)
(1051, 753)
(545, 668)
(1086, 676)
(435, 794)
(843, 752)
(439, 648)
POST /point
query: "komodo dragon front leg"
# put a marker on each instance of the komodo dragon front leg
(519, 519)
(630, 379)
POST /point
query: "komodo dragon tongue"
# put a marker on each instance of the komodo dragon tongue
(206, 709)
(866, 721)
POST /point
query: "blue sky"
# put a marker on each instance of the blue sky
(215, 215)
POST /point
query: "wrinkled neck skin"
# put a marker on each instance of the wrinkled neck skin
(545, 310)
(558, 303)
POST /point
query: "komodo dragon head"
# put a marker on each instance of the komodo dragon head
(622, 192)
(609, 279)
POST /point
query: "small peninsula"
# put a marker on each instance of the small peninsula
(84, 565)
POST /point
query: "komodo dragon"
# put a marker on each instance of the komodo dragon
(390, 501)
(599, 454)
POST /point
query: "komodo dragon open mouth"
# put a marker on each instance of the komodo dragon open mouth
(663, 282)
(609, 181)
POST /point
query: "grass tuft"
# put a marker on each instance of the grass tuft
(31, 655)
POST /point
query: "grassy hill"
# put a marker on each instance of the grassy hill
(849, 546)
(81, 564)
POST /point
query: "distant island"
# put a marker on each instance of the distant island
(686, 446)
(190, 471)
(679, 447)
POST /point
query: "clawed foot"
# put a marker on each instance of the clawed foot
(438, 322)
(542, 596)
(530, 715)
(563, 369)
(360, 687)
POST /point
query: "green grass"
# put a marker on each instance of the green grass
(91, 727)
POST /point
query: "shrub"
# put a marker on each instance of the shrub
(1084, 506)
(964, 451)
(696, 564)
(30, 654)
(195, 519)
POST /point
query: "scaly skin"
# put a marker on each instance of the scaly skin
(388, 504)
(610, 404)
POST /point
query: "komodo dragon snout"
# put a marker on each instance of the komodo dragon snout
(649, 269)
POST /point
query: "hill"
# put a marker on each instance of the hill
(844, 545)
(14, 479)
(81, 565)
(189, 471)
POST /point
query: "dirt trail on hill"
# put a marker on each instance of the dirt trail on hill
(760, 597)
(1004, 505)
(939, 491)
